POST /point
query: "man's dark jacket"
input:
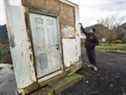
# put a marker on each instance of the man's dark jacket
(91, 39)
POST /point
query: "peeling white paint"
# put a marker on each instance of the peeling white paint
(46, 43)
(21, 53)
(71, 51)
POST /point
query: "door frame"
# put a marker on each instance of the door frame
(28, 25)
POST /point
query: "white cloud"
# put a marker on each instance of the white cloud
(2, 13)
(92, 10)
(75, 1)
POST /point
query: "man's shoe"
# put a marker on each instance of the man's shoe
(92, 66)
(95, 68)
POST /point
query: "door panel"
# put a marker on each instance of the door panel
(21, 53)
(73, 47)
(46, 44)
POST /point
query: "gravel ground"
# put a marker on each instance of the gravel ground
(7, 81)
(109, 80)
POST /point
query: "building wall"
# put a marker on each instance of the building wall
(65, 12)
(20, 44)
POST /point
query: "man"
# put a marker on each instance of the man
(90, 44)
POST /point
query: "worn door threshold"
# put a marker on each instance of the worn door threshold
(57, 87)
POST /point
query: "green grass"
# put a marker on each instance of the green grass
(106, 47)
(2, 54)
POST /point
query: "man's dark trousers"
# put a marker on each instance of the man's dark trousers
(91, 55)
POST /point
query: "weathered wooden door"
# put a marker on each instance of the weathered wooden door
(46, 44)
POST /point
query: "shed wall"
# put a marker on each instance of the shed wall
(65, 12)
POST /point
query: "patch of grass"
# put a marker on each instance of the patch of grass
(106, 47)
(2, 54)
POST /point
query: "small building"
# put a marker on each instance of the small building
(44, 40)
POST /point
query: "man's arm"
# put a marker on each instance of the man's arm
(82, 29)
(96, 40)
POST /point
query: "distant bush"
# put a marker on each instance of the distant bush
(107, 47)
(2, 53)
(117, 41)
(5, 56)
(124, 41)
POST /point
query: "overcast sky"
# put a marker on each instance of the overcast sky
(93, 10)
(2, 15)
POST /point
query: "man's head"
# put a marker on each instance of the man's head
(80, 24)
(92, 30)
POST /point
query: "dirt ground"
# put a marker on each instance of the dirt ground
(109, 80)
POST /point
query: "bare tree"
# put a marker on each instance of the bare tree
(111, 24)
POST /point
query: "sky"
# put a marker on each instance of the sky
(2, 13)
(92, 10)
